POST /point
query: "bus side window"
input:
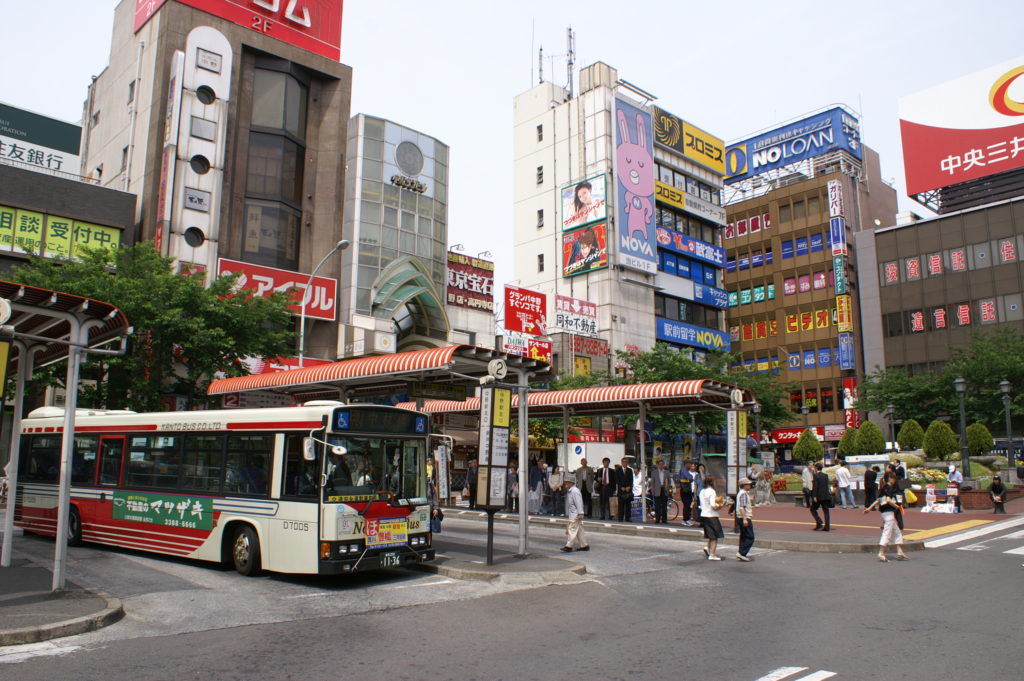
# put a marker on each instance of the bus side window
(300, 476)
(248, 464)
(111, 449)
(83, 460)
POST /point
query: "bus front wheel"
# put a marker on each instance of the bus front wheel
(245, 551)
(74, 528)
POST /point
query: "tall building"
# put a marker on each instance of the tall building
(617, 213)
(230, 126)
(798, 194)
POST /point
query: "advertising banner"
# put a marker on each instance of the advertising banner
(710, 295)
(844, 313)
(689, 140)
(585, 250)
(313, 25)
(575, 315)
(470, 282)
(321, 298)
(839, 267)
(540, 350)
(687, 334)
(690, 247)
(170, 510)
(812, 136)
(526, 311)
(964, 129)
(590, 346)
(584, 202)
(686, 201)
(634, 168)
(38, 142)
(835, 199)
(837, 235)
(791, 435)
(847, 356)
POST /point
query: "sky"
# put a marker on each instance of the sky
(451, 68)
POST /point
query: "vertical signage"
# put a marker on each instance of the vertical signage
(495, 420)
(839, 268)
(847, 361)
(844, 313)
(634, 186)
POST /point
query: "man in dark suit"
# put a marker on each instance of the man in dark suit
(624, 487)
(585, 483)
(821, 497)
(662, 490)
(605, 481)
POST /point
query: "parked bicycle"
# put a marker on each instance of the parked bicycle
(673, 511)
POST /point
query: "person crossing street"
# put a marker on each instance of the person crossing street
(575, 512)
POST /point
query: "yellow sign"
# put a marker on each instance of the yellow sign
(7, 216)
(502, 407)
(743, 423)
(581, 366)
(669, 195)
(844, 313)
(689, 140)
(59, 237)
(28, 232)
(5, 356)
(88, 235)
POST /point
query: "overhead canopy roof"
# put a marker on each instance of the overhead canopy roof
(381, 373)
(46, 320)
(658, 398)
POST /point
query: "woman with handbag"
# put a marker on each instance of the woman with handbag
(888, 503)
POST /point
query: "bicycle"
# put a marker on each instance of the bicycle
(672, 512)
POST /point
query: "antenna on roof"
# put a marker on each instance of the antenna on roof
(570, 57)
(540, 65)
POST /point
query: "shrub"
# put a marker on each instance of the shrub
(939, 441)
(869, 439)
(911, 435)
(808, 448)
(848, 443)
(912, 460)
(979, 439)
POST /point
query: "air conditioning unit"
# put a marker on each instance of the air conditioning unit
(354, 341)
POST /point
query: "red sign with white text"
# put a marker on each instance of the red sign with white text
(526, 311)
(313, 25)
(321, 298)
(785, 436)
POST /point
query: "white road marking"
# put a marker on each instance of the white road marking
(13, 654)
(974, 534)
(416, 586)
(817, 676)
(1016, 552)
(781, 673)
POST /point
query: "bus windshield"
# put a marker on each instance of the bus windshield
(372, 465)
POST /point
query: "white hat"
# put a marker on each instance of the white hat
(569, 477)
(744, 481)
(952, 467)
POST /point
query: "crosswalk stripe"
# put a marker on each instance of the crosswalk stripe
(817, 676)
(988, 529)
(781, 673)
(1016, 552)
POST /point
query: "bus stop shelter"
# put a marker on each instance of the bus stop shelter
(39, 327)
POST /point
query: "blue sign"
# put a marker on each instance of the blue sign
(813, 136)
(709, 295)
(421, 424)
(744, 262)
(669, 263)
(683, 267)
(801, 245)
(824, 357)
(730, 265)
(809, 357)
(341, 420)
(794, 361)
(687, 334)
(817, 243)
(690, 247)
(837, 235)
(787, 249)
(710, 276)
(634, 168)
(768, 259)
(847, 360)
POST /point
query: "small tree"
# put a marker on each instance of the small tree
(979, 439)
(869, 439)
(939, 441)
(848, 443)
(808, 448)
(911, 435)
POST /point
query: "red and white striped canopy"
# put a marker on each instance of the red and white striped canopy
(670, 396)
(380, 372)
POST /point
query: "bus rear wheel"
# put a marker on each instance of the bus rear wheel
(245, 551)
(74, 528)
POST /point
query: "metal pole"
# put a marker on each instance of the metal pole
(643, 461)
(524, 472)
(67, 442)
(693, 436)
(490, 536)
(1007, 401)
(26, 358)
(964, 452)
(340, 246)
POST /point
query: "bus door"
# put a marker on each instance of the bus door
(111, 460)
(292, 543)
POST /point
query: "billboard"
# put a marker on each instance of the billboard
(575, 315)
(964, 129)
(526, 311)
(687, 334)
(690, 247)
(38, 142)
(585, 250)
(584, 202)
(321, 298)
(313, 25)
(688, 202)
(470, 282)
(844, 312)
(687, 139)
(634, 186)
(809, 137)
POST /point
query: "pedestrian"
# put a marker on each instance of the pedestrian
(710, 502)
(574, 511)
(997, 492)
(557, 493)
(585, 483)
(512, 488)
(686, 491)
(870, 485)
(887, 502)
(845, 486)
(605, 481)
(807, 482)
(698, 487)
(661, 490)
(821, 498)
(624, 485)
(745, 518)
(954, 481)
(471, 482)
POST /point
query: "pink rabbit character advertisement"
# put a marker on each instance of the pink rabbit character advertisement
(634, 170)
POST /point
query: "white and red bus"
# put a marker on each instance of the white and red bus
(322, 488)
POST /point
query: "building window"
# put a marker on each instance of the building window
(131, 92)
(540, 218)
(95, 120)
(540, 262)
(124, 159)
(540, 133)
(540, 174)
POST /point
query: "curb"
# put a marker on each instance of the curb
(113, 612)
(488, 574)
(692, 534)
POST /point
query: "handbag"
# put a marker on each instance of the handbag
(435, 525)
(910, 497)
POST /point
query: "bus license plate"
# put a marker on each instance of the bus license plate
(390, 559)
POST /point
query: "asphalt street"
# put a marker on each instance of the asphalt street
(646, 609)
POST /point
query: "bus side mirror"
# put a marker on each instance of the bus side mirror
(308, 451)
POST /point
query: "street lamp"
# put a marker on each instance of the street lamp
(757, 422)
(805, 410)
(340, 246)
(1005, 386)
(890, 413)
(961, 387)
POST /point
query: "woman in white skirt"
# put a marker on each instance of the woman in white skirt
(888, 502)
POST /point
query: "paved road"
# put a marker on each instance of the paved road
(652, 609)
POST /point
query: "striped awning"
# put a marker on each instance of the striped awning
(454, 364)
(658, 398)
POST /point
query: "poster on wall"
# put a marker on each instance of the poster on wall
(585, 250)
(584, 202)
(470, 282)
(634, 170)
(526, 311)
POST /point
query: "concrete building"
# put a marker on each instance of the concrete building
(617, 206)
(793, 284)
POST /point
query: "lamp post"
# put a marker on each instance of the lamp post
(805, 410)
(340, 246)
(890, 413)
(757, 423)
(1005, 386)
(961, 387)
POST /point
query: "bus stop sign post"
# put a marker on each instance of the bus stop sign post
(492, 473)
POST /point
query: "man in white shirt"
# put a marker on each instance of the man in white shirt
(845, 486)
(807, 482)
(575, 512)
